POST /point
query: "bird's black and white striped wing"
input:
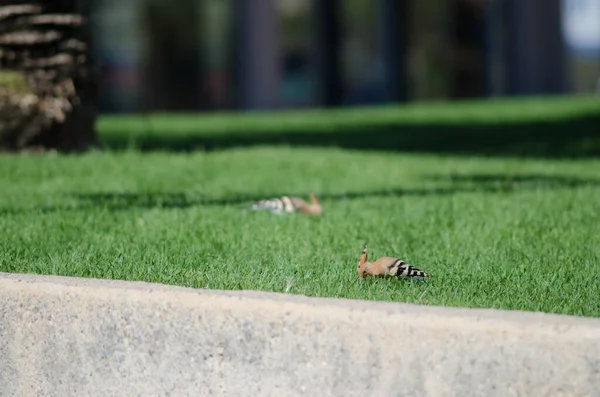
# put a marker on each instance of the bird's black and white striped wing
(278, 205)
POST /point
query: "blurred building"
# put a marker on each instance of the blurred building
(268, 54)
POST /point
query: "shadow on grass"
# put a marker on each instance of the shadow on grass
(506, 183)
(574, 137)
(456, 183)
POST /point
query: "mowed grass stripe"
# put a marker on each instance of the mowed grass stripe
(558, 127)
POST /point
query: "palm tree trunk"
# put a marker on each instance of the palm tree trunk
(48, 92)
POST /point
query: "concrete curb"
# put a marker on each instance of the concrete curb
(70, 336)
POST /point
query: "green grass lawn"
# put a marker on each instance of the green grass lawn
(501, 232)
(548, 127)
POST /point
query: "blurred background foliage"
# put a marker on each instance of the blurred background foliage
(200, 54)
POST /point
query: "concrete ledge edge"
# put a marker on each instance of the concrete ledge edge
(287, 337)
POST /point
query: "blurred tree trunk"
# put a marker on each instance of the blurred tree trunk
(329, 36)
(469, 49)
(48, 91)
(174, 67)
(431, 47)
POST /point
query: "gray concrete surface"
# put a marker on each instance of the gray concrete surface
(81, 337)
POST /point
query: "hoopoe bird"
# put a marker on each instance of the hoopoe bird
(280, 205)
(387, 266)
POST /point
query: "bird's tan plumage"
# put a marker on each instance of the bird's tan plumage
(387, 266)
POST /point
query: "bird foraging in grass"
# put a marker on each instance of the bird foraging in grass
(387, 266)
(288, 204)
